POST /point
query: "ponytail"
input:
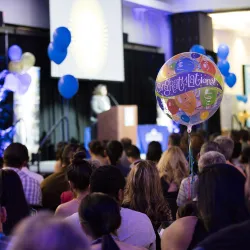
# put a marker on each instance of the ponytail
(108, 243)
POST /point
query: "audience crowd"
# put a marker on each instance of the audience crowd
(115, 199)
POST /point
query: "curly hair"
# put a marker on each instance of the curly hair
(173, 166)
(143, 193)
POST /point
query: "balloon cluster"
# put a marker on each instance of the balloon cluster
(17, 80)
(224, 66)
(57, 51)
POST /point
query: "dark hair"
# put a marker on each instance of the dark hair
(13, 199)
(59, 150)
(126, 142)
(100, 216)
(235, 135)
(97, 148)
(221, 200)
(197, 141)
(245, 155)
(237, 150)
(69, 151)
(174, 139)
(154, 151)
(209, 146)
(15, 155)
(79, 171)
(133, 151)
(244, 135)
(189, 209)
(114, 151)
(108, 180)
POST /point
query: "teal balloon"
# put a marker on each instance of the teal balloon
(198, 49)
(223, 51)
(68, 86)
(224, 67)
(56, 55)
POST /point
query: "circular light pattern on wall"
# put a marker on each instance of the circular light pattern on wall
(89, 36)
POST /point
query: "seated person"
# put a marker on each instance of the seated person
(98, 153)
(133, 155)
(174, 140)
(78, 175)
(100, 219)
(154, 151)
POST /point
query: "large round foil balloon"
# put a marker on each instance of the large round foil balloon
(189, 88)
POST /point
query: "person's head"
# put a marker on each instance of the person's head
(100, 216)
(108, 180)
(96, 148)
(79, 172)
(154, 151)
(244, 136)
(173, 166)
(69, 151)
(211, 158)
(144, 193)
(220, 195)
(197, 141)
(174, 140)
(126, 142)
(46, 232)
(209, 146)
(12, 198)
(133, 153)
(114, 152)
(245, 155)
(59, 150)
(226, 146)
(213, 136)
(100, 90)
(16, 155)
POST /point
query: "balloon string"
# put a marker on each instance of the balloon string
(190, 157)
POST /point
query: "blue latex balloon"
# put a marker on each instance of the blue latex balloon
(55, 54)
(242, 98)
(198, 49)
(68, 86)
(231, 80)
(224, 67)
(223, 51)
(62, 38)
(184, 65)
(15, 53)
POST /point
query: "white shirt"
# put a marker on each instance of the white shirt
(33, 175)
(136, 228)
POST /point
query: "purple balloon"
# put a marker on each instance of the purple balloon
(25, 81)
(15, 53)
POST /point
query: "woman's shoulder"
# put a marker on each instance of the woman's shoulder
(179, 234)
(66, 209)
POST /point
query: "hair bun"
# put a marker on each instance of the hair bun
(78, 157)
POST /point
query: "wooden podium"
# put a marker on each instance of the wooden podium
(118, 122)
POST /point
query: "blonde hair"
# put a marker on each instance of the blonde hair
(46, 232)
(173, 166)
(98, 89)
(143, 192)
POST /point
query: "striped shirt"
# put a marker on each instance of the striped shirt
(31, 187)
(187, 191)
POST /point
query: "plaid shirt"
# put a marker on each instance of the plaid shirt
(31, 187)
(187, 191)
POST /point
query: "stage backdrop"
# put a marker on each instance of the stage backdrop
(96, 50)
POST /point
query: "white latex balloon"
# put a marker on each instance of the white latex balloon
(11, 82)
(25, 81)
(28, 60)
(15, 67)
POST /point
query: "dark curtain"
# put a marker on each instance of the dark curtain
(141, 69)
